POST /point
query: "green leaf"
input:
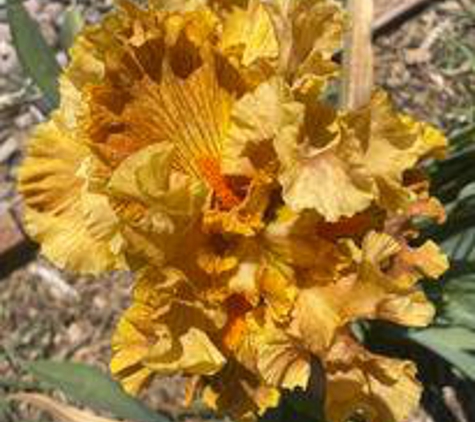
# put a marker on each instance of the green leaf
(454, 344)
(4, 410)
(457, 236)
(463, 137)
(459, 301)
(90, 387)
(35, 55)
(73, 22)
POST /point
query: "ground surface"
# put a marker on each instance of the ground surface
(427, 64)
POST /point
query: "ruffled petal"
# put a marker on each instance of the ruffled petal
(392, 144)
(77, 229)
(316, 319)
(255, 121)
(325, 171)
(361, 384)
(249, 34)
(267, 350)
(148, 195)
(309, 32)
(165, 334)
(239, 393)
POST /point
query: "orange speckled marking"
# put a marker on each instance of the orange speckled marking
(346, 226)
(236, 326)
(211, 172)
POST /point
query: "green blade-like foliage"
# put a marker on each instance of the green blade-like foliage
(450, 176)
(92, 388)
(455, 344)
(5, 414)
(35, 55)
(463, 138)
(458, 307)
(453, 337)
(73, 22)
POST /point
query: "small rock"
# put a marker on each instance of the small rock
(25, 121)
(33, 7)
(56, 284)
(10, 234)
(7, 149)
(415, 56)
(52, 11)
(8, 57)
(99, 302)
(75, 332)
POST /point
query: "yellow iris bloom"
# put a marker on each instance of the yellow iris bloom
(191, 147)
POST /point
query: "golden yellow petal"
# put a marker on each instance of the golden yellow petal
(266, 350)
(172, 199)
(316, 319)
(392, 293)
(166, 329)
(156, 287)
(135, 381)
(239, 393)
(215, 264)
(392, 144)
(432, 141)
(428, 207)
(164, 345)
(309, 32)
(246, 218)
(151, 164)
(77, 229)
(277, 287)
(167, 290)
(250, 33)
(129, 346)
(411, 309)
(174, 89)
(177, 5)
(331, 180)
(378, 247)
(389, 139)
(234, 221)
(378, 289)
(283, 362)
(368, 386)
(256, 118)
(84, 68)
(157, 206)
(427, 260)
(318, 34)
(293, 239)
(194, 354)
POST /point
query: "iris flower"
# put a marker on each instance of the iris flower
(192, 147)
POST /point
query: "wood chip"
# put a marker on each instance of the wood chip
(10, 234)
(7, 148)
(55, 283)
(358, 73)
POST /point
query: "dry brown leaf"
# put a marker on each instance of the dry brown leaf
(60, 411)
